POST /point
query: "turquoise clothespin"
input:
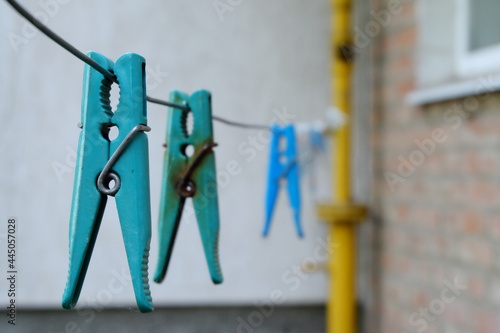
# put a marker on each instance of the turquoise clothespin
(189, 176)
(100, 163)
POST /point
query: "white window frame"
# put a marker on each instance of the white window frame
(471, 63)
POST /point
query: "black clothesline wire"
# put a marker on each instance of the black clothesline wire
(107, 74)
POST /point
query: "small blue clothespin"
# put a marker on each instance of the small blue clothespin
(192, 176)
(283, 164)
(317, 140)
(117, 168)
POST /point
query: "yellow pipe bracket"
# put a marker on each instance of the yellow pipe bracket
(341, 213)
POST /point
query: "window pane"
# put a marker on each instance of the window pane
(484, 23)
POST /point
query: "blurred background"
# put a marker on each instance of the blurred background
(418, 81)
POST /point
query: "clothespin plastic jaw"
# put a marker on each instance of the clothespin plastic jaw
(189, 176)
(283, 164)
(101, 162)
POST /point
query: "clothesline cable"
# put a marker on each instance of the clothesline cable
(107, 74)
(242, 125)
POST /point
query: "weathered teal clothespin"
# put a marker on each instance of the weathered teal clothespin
(117, 168)
(186, 176)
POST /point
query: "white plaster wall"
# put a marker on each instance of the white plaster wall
(264, 57)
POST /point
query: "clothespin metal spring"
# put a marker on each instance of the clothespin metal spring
(185, 187)
(106, 175)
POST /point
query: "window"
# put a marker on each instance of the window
(478, 36)
(458, 46)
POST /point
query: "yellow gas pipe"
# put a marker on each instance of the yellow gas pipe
(343, 215)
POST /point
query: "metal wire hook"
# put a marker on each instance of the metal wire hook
(106, 175)
(185, 187)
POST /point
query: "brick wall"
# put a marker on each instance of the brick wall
(436, 198)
